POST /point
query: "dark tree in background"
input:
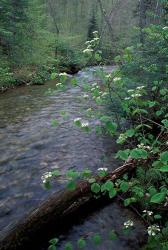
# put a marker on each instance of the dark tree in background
(92, 26)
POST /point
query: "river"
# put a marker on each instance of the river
(31, 146)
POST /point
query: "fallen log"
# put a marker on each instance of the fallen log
(60, 209)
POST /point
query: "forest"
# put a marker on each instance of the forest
(83, 124)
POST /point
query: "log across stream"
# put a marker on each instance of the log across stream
(35, 147)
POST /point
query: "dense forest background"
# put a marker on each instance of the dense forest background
(37, 35)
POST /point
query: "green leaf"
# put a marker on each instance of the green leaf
(111, 127)
(112, 235)
(54, 123)
(71, 185)
(128, 201)
(139, 154)
(54, 76)
(86, 173)
(95, 187)
(158, 198)
(112, 193)
(123, 154)
(47, 185)
(97, 239)
(165, 122)
(72, 174)
(164, 169)
(74, 81)
(81, 243)
(98, 57)
(158, 217)
(130, 132)
(124, 186)
(54, 241)
(68, 246)
(151, 104)
(91, 180)
(107, 186)
(56, 173)
(52, 247)
(164, 157)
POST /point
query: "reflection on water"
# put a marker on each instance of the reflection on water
(30, 146)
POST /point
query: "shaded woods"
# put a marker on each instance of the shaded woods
(104, 104)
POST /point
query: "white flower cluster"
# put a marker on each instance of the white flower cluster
(109, 76)
(128, 224)
(153, 230)
(165, 28)
(116, 79)
(136, 95)
(85, 124)
(46, 176)
(103, 169)
(85, 96)
(78, 119)
(82, 124)
(149, 213)
(88, 50)
(63, 74)
(142, 146)
(59, 84)
(122, 137)
(140, 87)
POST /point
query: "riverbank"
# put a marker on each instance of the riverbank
(31, 75)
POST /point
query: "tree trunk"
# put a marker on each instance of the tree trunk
(106, 19)
(142, 19)
(58, 212)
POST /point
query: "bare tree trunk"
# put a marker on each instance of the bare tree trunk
(51, 8)
(142, 19)
(106, 19)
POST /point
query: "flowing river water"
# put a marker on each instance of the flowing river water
(31, 146)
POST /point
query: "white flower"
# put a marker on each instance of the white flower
(85, 124)
(77, 119)
(59, 84)
(165, 28)
(89, 110)
(153, 230)
(87, 42)
(127, 98)
(85, 96)
(136, 95)
(87, 51)
(96, 39)
(95, 32)
(94, 84)
(93, 89)
(130, 90)
(46, 176)
(63, 74)
(128, 224)
(140, 87)
(116, 79)
(104, 94)
(143, 146)
(149, 213)
(103, 169)
(108, 76)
